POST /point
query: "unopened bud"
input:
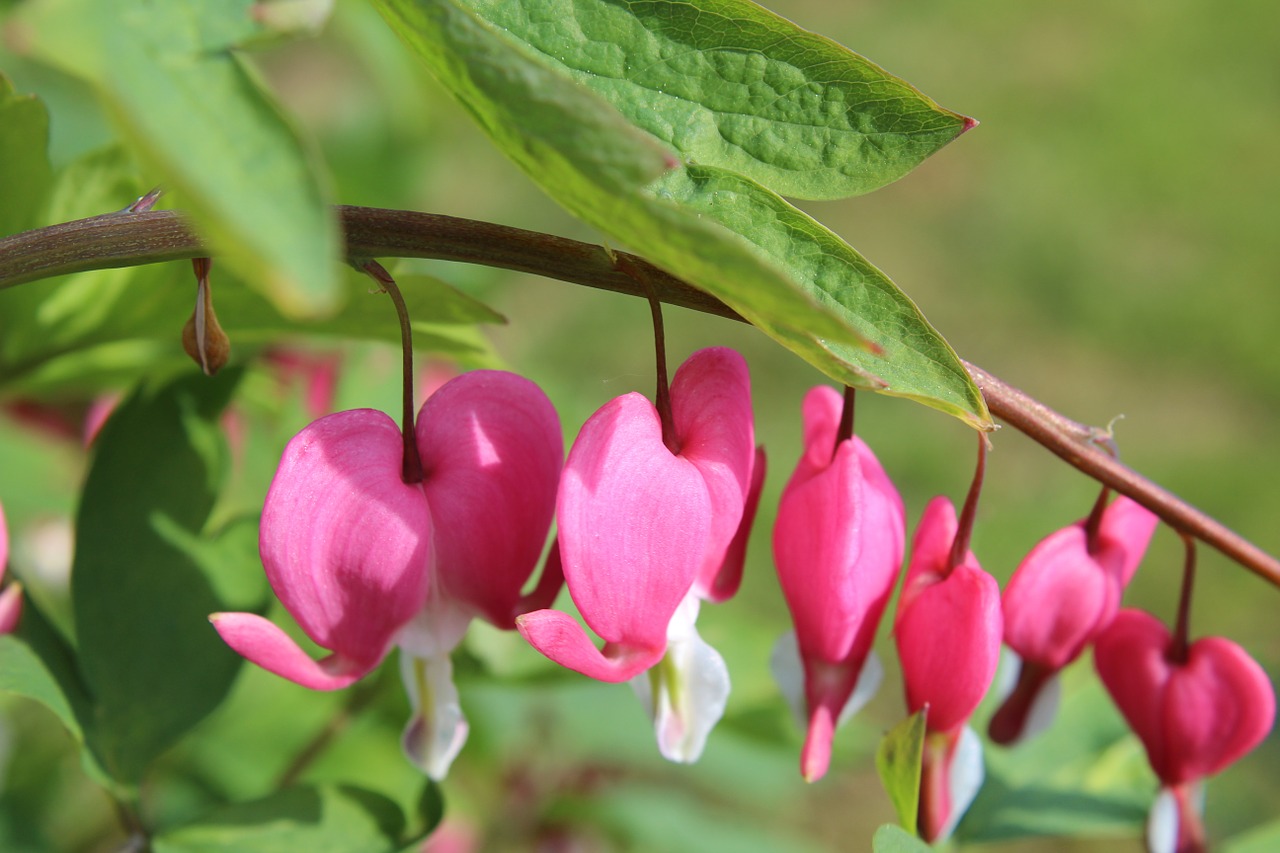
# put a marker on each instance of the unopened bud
(202, 336)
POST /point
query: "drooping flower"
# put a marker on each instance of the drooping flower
(644, 532)
(838, 546)
(363, 560)
(948, 631)
(1062, 596)
(1196, 711)
(491, 450)
(11, 595)
(346, 545)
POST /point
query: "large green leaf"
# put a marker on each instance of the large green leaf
(913, 359)
(24, 159)
(729, 84)
(201, 120)
(322, 819)
(140, 586)
(571, 142)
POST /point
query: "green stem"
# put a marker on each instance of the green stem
(124, 239)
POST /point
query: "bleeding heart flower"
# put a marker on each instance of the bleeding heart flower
(10, 596)
(363, 560)
(346, 545)
(642, 527)
(838, 545)
(1195, 713)
(1063, 595)
(948, 632)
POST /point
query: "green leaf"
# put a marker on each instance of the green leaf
(914, 360)
(25, 175)
(1261, 839)
(899, 759)
(729, 84)
(322, 819)
(587, 157)
(140, 589)
(198, 117)
(893, 839)
(571, 142)
(37, 663)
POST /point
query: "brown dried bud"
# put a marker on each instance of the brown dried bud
(202, 336)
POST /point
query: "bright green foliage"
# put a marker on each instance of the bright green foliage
(199, 118)
(569, 142)
(142, 588)
(86, 330)
(898, 761)
(323, 819)
(24, 163)
(38, 664)
(915, 361)
(893, 839)
(729, 84)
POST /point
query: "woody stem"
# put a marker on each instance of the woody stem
(125, 239)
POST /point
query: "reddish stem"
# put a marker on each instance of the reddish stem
(964, 529)
(1094, 522)
(1182, 628)
(411, 469)
(845, 431)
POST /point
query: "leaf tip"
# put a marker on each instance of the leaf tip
(969, 124)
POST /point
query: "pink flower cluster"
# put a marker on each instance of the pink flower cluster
(653, 510)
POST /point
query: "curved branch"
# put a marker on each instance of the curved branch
(128, 239)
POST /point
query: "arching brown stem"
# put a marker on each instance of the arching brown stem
(128, 239)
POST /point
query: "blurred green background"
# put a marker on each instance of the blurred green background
(1102, 241)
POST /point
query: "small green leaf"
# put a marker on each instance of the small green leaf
(37, 663)
(151, 662)
(729, 84)
(893, 839)
(199, 118)
(25, 175)
(322, 819)
(914, 360)
(898, 761)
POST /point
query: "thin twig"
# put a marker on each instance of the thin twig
(128, 239)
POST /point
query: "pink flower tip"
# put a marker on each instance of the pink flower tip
(263, 642)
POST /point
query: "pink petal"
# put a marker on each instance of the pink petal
(345, 543)
(1125, 532)
(729, 576)
(1130, 659)
(634, 525)
(10, 608)
(1217, 707)
(949, 626)
(558, 636)
(711, 408)
(491, 450)
(1056, 600)
(263, 642)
